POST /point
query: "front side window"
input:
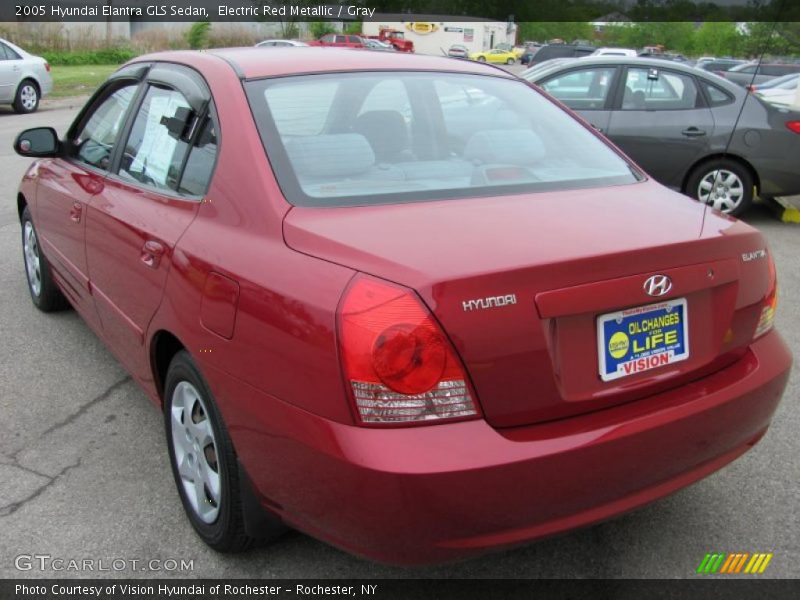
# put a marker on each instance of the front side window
(585, 89)
(96, 139)
(654, 89)
(429, 136)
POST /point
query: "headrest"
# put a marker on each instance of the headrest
(334, 155)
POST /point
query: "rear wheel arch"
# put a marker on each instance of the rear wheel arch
(163, 348)
(733, 157)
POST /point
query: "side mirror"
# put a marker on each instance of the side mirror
(37, 142)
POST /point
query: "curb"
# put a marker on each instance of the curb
(786, 208)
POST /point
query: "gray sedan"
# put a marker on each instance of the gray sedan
(24, 78)
(680, 125)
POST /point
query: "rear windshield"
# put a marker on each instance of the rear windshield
(374, 138)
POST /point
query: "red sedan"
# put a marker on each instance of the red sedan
(408, 305)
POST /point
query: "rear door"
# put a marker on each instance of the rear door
(586, 90)
(157, 181)
(661, 120)
(9, 73)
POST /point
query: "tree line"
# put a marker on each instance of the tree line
(749, 39)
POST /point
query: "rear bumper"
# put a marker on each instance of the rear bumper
(436, 493)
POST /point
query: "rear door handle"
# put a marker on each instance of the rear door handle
(693, 132)
(152, 251)
(596, 128)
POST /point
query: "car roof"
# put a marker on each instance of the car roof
(636, 61)
(251, 63)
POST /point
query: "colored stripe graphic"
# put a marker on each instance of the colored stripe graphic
(720, 562)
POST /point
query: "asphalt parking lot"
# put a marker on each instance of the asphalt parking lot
(84, 470)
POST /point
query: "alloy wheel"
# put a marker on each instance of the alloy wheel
(722, 189)
(33, 264)
(195, 451)
(28, 97)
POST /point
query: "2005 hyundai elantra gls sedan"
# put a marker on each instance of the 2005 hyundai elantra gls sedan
(406, 304)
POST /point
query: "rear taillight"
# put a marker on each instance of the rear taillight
(770, 304)
(398, 364)
(793, 126)
(750, 88)
(47, 66)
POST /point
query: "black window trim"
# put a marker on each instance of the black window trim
(172, 75)
(705, 84)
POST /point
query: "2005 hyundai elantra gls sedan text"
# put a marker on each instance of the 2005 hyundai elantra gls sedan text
(406, 304)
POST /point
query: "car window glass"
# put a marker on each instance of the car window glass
(200, 164)
(585, 89)
(328, 39)
(655, 89)
(3, 52)
(96, 140)
(716, 96)
(297, 112)
(470, 135)
(341, 39)
(389, 94)
(354, 39)
(158, 143)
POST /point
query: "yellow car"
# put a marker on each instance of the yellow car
(494, 56)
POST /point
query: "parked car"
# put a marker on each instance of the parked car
(527, 55)
(516, 50)
(755, 73)
(719, 65)
(436, 371)
(614, 52)
(280, 44)
(678, 124)
(378, 45)
(458, 51)
(784, 94)
(790, 79)
(551, 51)
(339, 40)
(24, 78)
(502, 57)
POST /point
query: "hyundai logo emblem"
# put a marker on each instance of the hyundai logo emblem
(657, 285)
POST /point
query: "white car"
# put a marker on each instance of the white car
(24, 78)
(614, 52)
(279, 43)
(784, 95)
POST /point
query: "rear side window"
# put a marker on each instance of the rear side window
(457, 135)
(97, 137)
(716, 96)
(655, 89)
(6, 53)
(164, 136)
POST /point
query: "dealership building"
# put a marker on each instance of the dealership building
(435, 34)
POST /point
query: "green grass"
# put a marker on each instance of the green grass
(78, 80)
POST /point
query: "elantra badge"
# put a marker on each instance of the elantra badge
(657, 285)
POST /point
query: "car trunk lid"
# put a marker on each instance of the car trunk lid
(519, 282)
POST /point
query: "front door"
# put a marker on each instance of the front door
(68, 183)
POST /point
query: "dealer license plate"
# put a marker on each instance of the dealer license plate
(639, 339)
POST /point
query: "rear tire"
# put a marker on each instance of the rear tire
(481, 59)
(722, 183)
(26, 99)
(510, 61)
(44, 292)
(203, 459)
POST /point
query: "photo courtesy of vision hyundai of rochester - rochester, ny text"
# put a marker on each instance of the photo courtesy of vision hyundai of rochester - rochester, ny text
(409, 305)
